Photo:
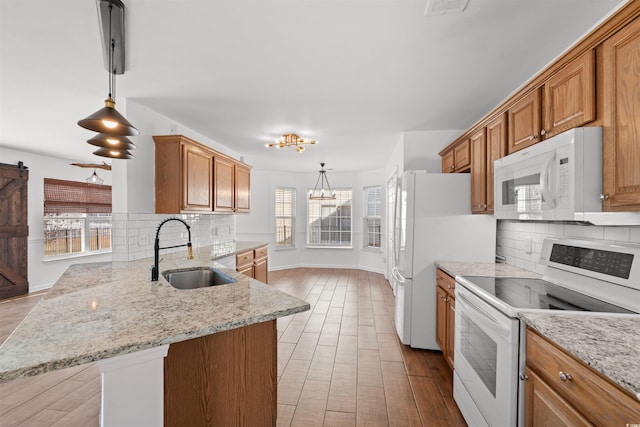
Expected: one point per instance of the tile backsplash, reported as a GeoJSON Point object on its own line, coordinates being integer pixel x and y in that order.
{"type": "Point", "coordinates": [134, 233]}
{"type": "Point", "coordinates": [521, 242]}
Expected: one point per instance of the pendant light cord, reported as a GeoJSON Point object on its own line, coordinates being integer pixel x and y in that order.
{"type": "Point", "coordinates": [111, 50]}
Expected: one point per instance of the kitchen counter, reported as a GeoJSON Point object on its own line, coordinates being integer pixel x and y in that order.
{"type": "Point", "coordinates": [607, 343]}
{"type": "Point", "coordinates": [235, 248]}
{"type": "Point", "coordinates": [488, 269]}
{"type": "Point", "coordinates": [97, 311]}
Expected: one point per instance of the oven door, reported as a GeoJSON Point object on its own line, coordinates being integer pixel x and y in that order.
{"type": "Point", "coordinates": [486, 362]}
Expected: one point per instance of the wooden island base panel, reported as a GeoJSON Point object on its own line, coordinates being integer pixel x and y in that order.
{"type": "Point", "coordinates": [224, 379]}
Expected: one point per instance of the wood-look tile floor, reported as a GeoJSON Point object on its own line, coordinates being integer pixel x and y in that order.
{"type": "Point", "coordinates": [339, 364]}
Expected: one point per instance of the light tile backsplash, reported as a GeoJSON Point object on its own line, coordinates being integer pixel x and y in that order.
{"type": "Point", "coordinates": [521, 242]}
{"type": "Point", "coordinates": [134, 233]}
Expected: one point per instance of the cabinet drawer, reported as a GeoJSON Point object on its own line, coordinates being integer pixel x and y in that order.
{"type": "Point", "coordinates": [244, 258]}
{"type": "Point", "coordinates": [447, 282]}
{"type": "Point", "coordinates": [260, 253]}
{"type": "Point", "coordinates": [599, 400]}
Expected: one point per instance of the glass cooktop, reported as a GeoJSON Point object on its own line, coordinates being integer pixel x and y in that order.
{"type": "Point", "coordinates": [522, 293]}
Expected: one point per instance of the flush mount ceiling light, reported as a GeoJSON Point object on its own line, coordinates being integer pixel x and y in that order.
{"type": "Point", "coordinates": [94, 179]}
{"type": "Point", "coordinates": [320, 193]}
{"type": "Point", "coordinates": [291, 140]}
{"type": "Point", "coordinates": [107, 120]}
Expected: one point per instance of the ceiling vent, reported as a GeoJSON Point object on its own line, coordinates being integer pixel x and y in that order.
{"type": "Point", "coordinates": [445, 7]}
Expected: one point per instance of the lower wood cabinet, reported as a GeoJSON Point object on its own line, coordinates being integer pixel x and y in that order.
{"type": "Point", "coordinates": [224, 379]}
{"type": "Point", "coordinates": [253, 263]}
{"type": "Point", "coordinates": [561, 390]}
{"type": "Point", "coordinates": [445, 314]}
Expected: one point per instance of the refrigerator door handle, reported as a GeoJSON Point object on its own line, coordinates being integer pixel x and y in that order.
{"type": "Point", "coordinates": [396, 275]}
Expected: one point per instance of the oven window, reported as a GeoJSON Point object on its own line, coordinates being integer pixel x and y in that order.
{"type": "Point", "coordinates": [524, 192]}
{"type": "Point", "coordinates": [480, 351]}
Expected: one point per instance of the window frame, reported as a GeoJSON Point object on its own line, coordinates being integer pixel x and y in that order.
{"type": "Point", "coordinates": [367, 218]}
{"type": "Point", "coordinates": [291, 218]}
{"type": "Point", "coordinates": [343, 202]}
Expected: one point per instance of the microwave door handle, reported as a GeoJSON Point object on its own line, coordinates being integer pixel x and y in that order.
{"type": "Point", "coordinates": [544, 183]}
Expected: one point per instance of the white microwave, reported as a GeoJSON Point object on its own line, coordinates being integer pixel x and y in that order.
{"type": "Point", "coordinates": [559, 179]}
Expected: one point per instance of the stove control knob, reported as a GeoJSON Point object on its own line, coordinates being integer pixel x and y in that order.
{"type": "Point", "coordinates": [565, 376]}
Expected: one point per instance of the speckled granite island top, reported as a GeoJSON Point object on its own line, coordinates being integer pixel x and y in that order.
{"type": "Point", "coordinates": [488, 269]}
{"type": "Point", "coordinates": [610, 345]}
{"type": "Point", "coordinates": [100, 310]}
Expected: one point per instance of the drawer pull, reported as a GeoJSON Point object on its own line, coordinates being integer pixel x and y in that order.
{"type": "Point", "coordinates": [565, 376]}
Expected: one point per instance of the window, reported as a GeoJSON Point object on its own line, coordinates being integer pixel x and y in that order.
{"type": "Point", "coordinates": [373, 217]}
{"type": "Point", "coordinates": [77, 217]}
{"type": "Point", "coordinates": [285, 217]}
{"type": "Point", "coordinates": [329, 221]}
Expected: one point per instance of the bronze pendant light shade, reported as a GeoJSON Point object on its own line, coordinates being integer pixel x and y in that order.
{"type": "Point", "coordinates": [113, 153]}
{"type": "Point", "coordinates": [112, 127]}
{"type": "Point", "coordinates": [114, 142]}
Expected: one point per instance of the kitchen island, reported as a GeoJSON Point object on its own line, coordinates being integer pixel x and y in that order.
{"type": "Point", "coordinates": [114, 313]}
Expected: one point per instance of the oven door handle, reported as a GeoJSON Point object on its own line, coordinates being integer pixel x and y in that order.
{"type": "Point", "coordinates": [480, 315]}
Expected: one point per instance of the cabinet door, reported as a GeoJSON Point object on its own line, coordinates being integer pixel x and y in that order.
{"type": "Point", "coordinates": [441, 318]}
{"type": "Point", "coordinates": [451, 330]}
{"type": "Point", "coordinates": [524, 122]}
{"type": "Point", "coordinates": [479, 172]}
{"type": "Point", "coordinates": [496, 148]}
{"type": "Point", "coordinates": [621, 162]}
{"type": "Point", "coordinates": [242, 188]}
{"type": "Point", "coordinates": [196, 183]}
{"type": "Point", "coordinates": [260, 270]}
{"type": "Point", "coordinates": [448, 162]}
{"type": "Point", "coordinates": [570, 96]}
{"type": "Point", "coordinates": [224, 174]}
{"type": "Point", "coordinates": [462, 155]}
{"type": "Point", "coordinates": [544, 407]}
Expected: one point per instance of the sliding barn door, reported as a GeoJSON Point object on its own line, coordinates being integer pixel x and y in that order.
{"type": "Point", "coordinates": [14, 230]}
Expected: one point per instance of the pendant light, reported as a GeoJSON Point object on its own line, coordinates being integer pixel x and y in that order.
{"type": "Point", "coordinates": [94, 179]}
{"type": "Point", "coordinates": [112, 141]}
{"type": "Point", "coordinates": [321, 193]}
{"type": "Point", "coordinates": [113, 153]}
{"type": "Point", "coordinates": [108, 120]}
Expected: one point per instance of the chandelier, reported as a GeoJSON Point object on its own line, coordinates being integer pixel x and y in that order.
{"type": "Point", "coordinates": [291, 140]}
{"type": "Point", "coordinates": [319, 192]}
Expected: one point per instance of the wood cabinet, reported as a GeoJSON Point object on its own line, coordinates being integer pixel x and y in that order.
{"type": "Point", "coordinates": [496, 149]}
{"type": "Point", "coordinates": [191, 177]}
{"type": "Point", "coordinates": [561, 390]}
{"type": "Point", "coordinates": [226, 379]}
{"type": "Point", "coordinates": [445, 314]}
{"type": "Point", "coordinates": [479, 172]}
{"type": "Point", "coordinates": [569, 97]}
{"type": "Point", "coordinates": [524, 122]}
{"type": "Point", "coordinates": [621, 127]}
{"type": "Point", "coordinates": [457, 158]}
{"type": "Point", "coordinates": [254, 263]}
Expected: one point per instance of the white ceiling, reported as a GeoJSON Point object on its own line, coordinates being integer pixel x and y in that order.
{"type": "Point", "coordinates": [353, 74]}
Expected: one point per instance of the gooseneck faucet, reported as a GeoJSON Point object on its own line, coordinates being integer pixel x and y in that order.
{"type": "Point", "coordinates": [156, 247]}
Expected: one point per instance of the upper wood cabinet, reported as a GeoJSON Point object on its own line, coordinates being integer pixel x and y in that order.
{"type": "Point", "coordinates": [524, 122]}
{"type": "Point", "coordinates": [479, 171]}
{"type": "Point", "coordinates": [621, 121]}
{"type": "Point", "coordinates": [457, 158]}
{"type": "Point", "coordinates": [191, 177]}
{"type": "Point", "coordinates": [496, 148]}
{"type": "Point", "coordinates": [570, 96]}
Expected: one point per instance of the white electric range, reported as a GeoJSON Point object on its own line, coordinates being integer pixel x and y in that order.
{"type": "Point", "coordinates": [584, 277]}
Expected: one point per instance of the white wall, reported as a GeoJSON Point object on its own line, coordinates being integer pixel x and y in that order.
{"type": "Point", "coordinates": [43, 274]}
{"type": "Point", "coordinates": [260, 223]}
{"type": "Point", "coordinates": [421, 149]}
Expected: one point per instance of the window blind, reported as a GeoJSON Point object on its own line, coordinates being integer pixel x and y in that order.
{"type": "Point", "coordinates": [62, 196]}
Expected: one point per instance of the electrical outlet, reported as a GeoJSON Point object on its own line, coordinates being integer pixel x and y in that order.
{"type": "Point", "coordinates": [143, 240]}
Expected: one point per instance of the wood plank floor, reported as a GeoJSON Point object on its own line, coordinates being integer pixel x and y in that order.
{"type": "Point", "coordinates": [339, 364]}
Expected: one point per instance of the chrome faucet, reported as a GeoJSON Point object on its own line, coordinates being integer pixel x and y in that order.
{"type": "Point", "coordinates": [156, 247]}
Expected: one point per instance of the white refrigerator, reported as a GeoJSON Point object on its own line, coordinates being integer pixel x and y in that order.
{"type": "Point", "coordinates": [433, 222]}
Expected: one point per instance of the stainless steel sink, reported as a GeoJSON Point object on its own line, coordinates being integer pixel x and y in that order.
{"type": "Point", "coordinates": [197, 278]}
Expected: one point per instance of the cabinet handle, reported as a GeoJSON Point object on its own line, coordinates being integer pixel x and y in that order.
{"type": "Point", "coordinates": [544, 132]}
{"type": "Point", "coordinates": [565, 376]}
{"type": "Point", "coordinates": [523, 376]}
{"type": "Point", "coordinates": [604, 196]}
{"type": "Point", "coordinates": [532, 137]}
{"type": "Point", "coordinates": [452, 167]}
{"type": "Point", "coordinates": [448, 286]}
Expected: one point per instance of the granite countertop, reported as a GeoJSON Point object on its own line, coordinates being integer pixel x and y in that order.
{"type": "Point", "coordinates": [488, 269]}
{"type": "Point", "coordinates": [607, 343]}
{"type": "Point", "coordinates": [100, 310]}
{"type": "Point", "coordinates": [235, 248]}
